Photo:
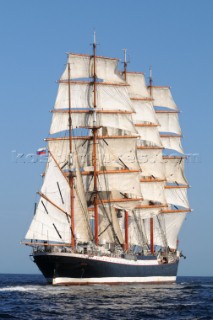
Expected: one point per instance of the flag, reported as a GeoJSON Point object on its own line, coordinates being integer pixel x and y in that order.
{"type": "Point", "coordinates": [41, 151]}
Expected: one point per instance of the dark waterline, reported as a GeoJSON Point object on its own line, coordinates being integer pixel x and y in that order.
{"type": "Point", "coordinates": [29, 297]}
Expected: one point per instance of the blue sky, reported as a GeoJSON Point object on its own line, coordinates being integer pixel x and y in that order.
{"type": "Point", "coordinates": [175, 37]}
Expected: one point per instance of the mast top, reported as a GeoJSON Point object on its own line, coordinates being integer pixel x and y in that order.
{"type": "Point", "coordinates": [150, 76]}
{"type": "Point", "coordinates": [150, 80]}
{"type": "Point", "coordinates": [125, 62]}
{"type": "Point", "coordinates": [94, 38]}
{"type": "Point", "coordinates": [94, 44]}
{"type": "Point", "coordinates": [125, 50]}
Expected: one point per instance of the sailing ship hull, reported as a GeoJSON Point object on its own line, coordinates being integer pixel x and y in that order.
{"type": "Point", "coordinates": [79, 269]}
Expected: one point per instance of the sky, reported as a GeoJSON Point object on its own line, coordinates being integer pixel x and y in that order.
{"type": "Point", "coordinates": [174, 37]}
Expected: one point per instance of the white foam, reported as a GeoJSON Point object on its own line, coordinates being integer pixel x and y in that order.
{"type": "Point", "coordinates": [18, 288]}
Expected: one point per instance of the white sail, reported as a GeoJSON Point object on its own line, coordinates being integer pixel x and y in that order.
{"type": "Point", "coordinates": [163, 98]}
{"type": "Point", "coordinates": [60, 121]}
{"type": "Point", "coordinates": [51, 223]}
{"type": "Point", "coordinates": [116, 227]}
{"type": "Point", "coordinates": [81, 216]}
{"type": "Point", "coordinates": [134, 231]}
{"type": "Point", "coordinates": [166, 229]}
{"type": "Point", "coordinates": [125, 182]}
{"type": "Point", "coordinates": [144, 112]}
{"type": "Point", "coordinates": [105, 226]}
{"type": "Point", "coordinates": [137, 88]}
{"type": "Point", "coordinates": [168, 122]}
{"type": "Point", "coordinates": [151, 162]}
{"type": "Point", "coordinates": [153, 190]}
{"type": "Point", "coordinates": [147, 212]}
{"type": "Point", "coordinates": [137, 233]}
{"type": "Point", "coordinates": [172, 142]}
{"type": "Point", "coordinates": [113, 98]}
{"type": "Point", "coordinates": [82, 96]}
{"type": "Point", "coordinates": [177, 196]}
{"type": "Point", "coordinates": [174, 170]}
{"type": "Point", "coordinates": [172, 223]}
{"type": "Point", "coordinates": [82, 66]}
{"type": "Point", "coordinates": [117, 153]}
{"type": "Point", "coordinates": [107, 69]}
{"type": "Point", "coordinates": [52, 219]}
{"type": "Point", "coordinates": [111, 152]}
{"type": "Point", "coordinates": [109, 228]}
{"type": "Point", "coordinates": [149, 135]}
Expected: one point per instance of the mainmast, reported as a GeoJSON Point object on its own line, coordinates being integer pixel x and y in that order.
{"type": "Point", "coordinates": [70, 164]}
{"type": "Point", "coordinates": [94, 131]}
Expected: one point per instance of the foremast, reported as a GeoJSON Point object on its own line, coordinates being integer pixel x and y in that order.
{"type": "Point", "coordinates": [95, 132]}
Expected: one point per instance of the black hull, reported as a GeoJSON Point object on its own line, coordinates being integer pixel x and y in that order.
{"type": "Point", "coordinates": [76, 269]}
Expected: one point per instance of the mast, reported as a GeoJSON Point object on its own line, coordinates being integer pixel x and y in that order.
{"type": "Point", "coordinates": [126, 243]}
{"type": "Point", "coordinates": [71, 177]}
{"type": "Point", "coordinates": [125, 64]}
{"type": "Point", "coordinates": [150, 81]}
{"type": "Point", "coordinates": [151, 222]}
{"type": "Point", "coordinates": [126, 216]}
{"type": "Point", "coordinates": [94, 131]}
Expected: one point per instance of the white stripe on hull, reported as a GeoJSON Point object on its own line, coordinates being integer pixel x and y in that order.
{"type": "Point", "coordinates": [104, 259]}
{"type": "Point", "coordinates": [112, 280]}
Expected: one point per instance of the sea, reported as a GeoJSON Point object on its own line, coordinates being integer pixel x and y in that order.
{"type": "Point", "coordinates": [30, 297]}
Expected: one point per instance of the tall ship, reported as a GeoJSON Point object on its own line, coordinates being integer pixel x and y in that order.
{"type": "Point", "coordinates": [114, 194]}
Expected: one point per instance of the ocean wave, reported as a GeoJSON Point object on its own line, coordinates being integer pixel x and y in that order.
{"type": "Point", "coordinates": [18, 288]}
